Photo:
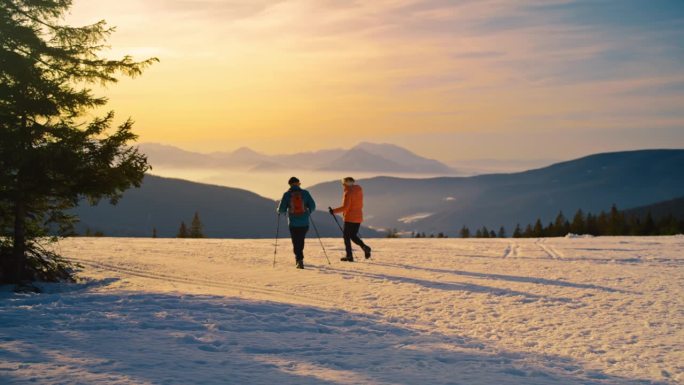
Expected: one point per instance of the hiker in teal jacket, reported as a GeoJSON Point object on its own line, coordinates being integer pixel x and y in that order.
{"type": "Point", "coordinates": [298, 204]}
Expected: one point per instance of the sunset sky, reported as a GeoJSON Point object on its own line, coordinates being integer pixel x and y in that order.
{"type": "Point", "coordinates": [516, 79]}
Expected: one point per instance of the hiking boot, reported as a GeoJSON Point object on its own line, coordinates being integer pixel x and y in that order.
{"type": "Point", "coordinates": [300, 264]}
{"type": "Point", "coordinates": [367, 252]}
{"type": "Point", "coordinates": [348, 258]}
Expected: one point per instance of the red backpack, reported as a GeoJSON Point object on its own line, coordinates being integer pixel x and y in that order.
{"type": "Point", "coordinates": [296, 206]}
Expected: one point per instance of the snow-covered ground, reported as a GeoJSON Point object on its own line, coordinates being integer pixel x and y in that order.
{"type": "Point", "coordinates": [425, 311]}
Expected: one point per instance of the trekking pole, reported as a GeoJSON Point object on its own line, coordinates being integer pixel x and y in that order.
{"type": "Point", "coordinates": [336, 221]}
{"type": "Point", "coordinates": [338, 225]}
{"type": "Point", "coordinates": [319, 237]}
{"type": "Point", "coordinates": [275, 251]}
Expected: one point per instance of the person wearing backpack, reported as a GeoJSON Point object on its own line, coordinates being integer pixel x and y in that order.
{"type": "Point", "coordinates": [298, 204]}
{"type": "Point", "coordinates": [352, 211]}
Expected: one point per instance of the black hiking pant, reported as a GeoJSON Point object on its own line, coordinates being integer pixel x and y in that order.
{"type": "Point", "coordinates": [351, 234]}
{"type": "Point", "coordinates": [298, 234]}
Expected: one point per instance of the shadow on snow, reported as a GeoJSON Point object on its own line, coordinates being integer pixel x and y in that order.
{"type": "Point", "coordinates": [505, 277]}
{"type": "Point", "coordinates": [164, 338]}
{"type": "Point", "coordinates": [447, 286]}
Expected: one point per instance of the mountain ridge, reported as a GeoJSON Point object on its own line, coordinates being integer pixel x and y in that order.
{"type": "Point", "coordinates": [659, 210]}
{"type": "Point", "coordinates": [370, 157]}
{"type": "Point", "coordinates": [162, 203]}
{"type": "Point", "coordinates": [592, 183]}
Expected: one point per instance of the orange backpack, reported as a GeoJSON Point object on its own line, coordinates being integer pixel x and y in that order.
{"type": "Point", "coordinates": [296, 206]}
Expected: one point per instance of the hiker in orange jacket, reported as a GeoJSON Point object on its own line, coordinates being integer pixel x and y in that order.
{"type": "Point", "coordinates": [352, 211]}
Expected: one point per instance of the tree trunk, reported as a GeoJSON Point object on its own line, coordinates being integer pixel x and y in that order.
{"type": "Point", "coordinates": [18, 263]}
{"type": "Point", "coordinates": [18, 273]}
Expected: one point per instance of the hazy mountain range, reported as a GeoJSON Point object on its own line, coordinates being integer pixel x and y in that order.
{"type": "Point", "coordinates": [162, 203]}
{"type": "Point", "coordinates": [367, 157]}
{"type": "Point", "coordinates": [593, 183]}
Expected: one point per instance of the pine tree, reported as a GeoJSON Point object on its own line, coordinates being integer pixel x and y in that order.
{"type": "Point", "coordinates": [465, 232]}
{"type": "Point", "coordinates": [50, 156]}
{"type": "Point", "coordinates": [578, 225]}
{"type": "Point", "coordinates": [560, 226]}
{"type": "Point", "coordinates": [154, 232]}
{"type": "Point", "coordinates": [529, 231]}
{"type": "Point", "coordinates": [182, 231]}
{"type": "Point", "coordinates": [502, 232]}
{"type": "Point", "coordinates": [517, 233]}
{"type": "Point", "coordinates": [592, 225]}
{"type": "Point", "coordinates": [478, 233]}
{"type": "Point", "coordinates": [196, 227]}
{"type": "Point", "coordinates": [538, 230]}
{"type": "Point", "coordinates": [649, 226]}
{"type": "Point", "coordinates": [616, 222]}
{"type": "Point", "coordinates": [603, 223]}
{"type": "Point", "coordinates": [633, 225]}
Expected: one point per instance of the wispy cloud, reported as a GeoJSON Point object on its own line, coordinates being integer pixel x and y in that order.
{"type": "Point", "coordinates": [344, 68]}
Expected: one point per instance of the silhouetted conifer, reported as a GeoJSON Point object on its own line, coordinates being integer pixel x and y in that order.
{"type": "Point", "coordinates": [182, 231]}
{"type": "Point", "coordinates": [502, 232]}
{"type": "Point", "coordinates": [196, 228]}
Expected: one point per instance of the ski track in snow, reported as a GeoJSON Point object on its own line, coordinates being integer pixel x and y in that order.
{"type": "Point", "coordinates": [239, 288]}
{"type": "Point", "coordinates": [513, 250]}
{"type": "Point", "coordinates": [551, 251]}
{"type": "Point", "coordinates": [448, 311]}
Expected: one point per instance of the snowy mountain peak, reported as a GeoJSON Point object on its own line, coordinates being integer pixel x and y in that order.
{"type": "Point", "coordinates": [242, 151]}
{"type": "Point", "coordinates": [365, 156]}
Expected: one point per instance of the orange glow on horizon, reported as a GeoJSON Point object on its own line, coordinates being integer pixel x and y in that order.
{"type": "Point", "coordinates": [278, 76]}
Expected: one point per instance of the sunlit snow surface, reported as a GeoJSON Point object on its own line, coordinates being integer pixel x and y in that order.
{"type": "Point", "coordinates": [426, 311]}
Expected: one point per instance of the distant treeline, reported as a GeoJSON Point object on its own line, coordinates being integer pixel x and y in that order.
{"type": "Point", "coordinates": [394, 233]}
{"type": "Point", "coordinates": [483, 232]}
{"type": "Point", "coordinates": [195, 231]}
{"type": "Point", "coordinates": [614, 222]}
